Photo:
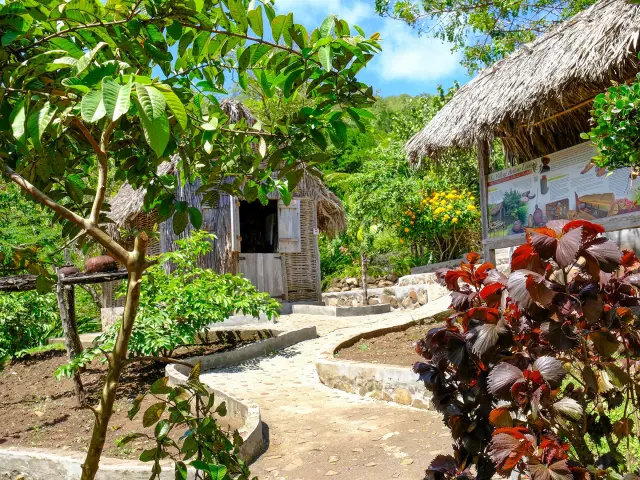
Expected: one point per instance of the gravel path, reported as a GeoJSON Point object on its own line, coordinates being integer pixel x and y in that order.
{"type": "Point", "coordinates": [316, 432]}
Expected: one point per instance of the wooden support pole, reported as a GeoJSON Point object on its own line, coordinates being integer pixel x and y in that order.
{"type": "Point", "coordinates": [66, 305]}
{"type": "Point", "coordinates": [483, 169]}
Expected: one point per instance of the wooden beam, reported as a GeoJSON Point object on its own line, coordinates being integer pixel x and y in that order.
{"type": "Point", "coordinates": [23, 283]}
{"type": "Point", "coordinates": [483, 169]}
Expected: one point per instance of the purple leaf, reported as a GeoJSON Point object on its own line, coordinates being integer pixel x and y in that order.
{"type": "Point", "coordinates": [568, 247]}
{"type": "Point", "coordinates": [528, 288]}
{"type": "Point", "coordinates": [544, 241]}
{"type": "Point", "coordinates": [569, 407]}
{"type": "Point", "coordinates": [462, 301]}
{"type": "Point", "coordinates": [551, 370]}
{"type": "Point", "coordinates": [502, 377]}
{"type": "Point", "coordinates": [556, 471]}
{"type": "Point", "coordinates": [443, 466]}
{"type": "Point", "coordinates": [506, 451]}
{"type": "Point", "coordinates": [486, 336]}
{"type": "Point", "coordinates": [495, 276]}
{"type": "Point", "coordinates": [604, 253]}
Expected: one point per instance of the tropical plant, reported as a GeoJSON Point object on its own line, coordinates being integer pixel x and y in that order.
{"type": "Point", "coordinates": [178, 304]}
{"type": "Point", "coordinates": [192, 411]}
{"type": "Point", "coordinates": [442, 220]}
{"type": "Point", "coordinates": [485, 31]}
{"type": "Point", "coordinates": [27, 319]}
{"type": "Point", "coordinates": [616, 124]}
{"type": "Point", "coordinates": [537, 373]}
{"type": "Point", "coordinates": [80, 97]}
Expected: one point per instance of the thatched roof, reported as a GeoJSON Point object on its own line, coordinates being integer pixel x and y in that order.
{"type": "Point", "coordinates": [129, 202]}
{"type": "Point", "coordinates": [332, 219]}
{"type": "Point", "coordinates": [537, 100]}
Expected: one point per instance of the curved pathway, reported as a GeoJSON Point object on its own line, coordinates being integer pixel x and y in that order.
{"type": "Point", "coordinates": [316, 432]}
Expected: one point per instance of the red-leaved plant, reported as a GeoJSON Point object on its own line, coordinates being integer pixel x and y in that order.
{"type": "Point", "coordinates": [530, 368]}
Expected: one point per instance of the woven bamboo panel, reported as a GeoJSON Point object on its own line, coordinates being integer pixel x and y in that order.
{"type": "Point", "coordinates": [303, 268]}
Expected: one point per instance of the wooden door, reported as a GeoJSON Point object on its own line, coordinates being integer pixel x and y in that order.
{"type": "Point", "coordinates": [265, 271]}
{"type": "Point", "coordinates": [289, 240]}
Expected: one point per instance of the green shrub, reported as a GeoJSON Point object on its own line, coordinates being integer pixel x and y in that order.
{"type": "Point", "coordinates": [27, 319]}
{"type": "Point", "coordinates": [176, 307]}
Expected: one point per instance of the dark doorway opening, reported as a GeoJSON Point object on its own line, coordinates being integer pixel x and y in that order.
{"type": "Point", "coordinates": [259, 227]}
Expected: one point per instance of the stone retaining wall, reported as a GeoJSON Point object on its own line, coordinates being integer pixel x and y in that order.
{"type": "Point", "coordinates": [411, 292]}
{"type": "Point", "coordinates": [380, 382]}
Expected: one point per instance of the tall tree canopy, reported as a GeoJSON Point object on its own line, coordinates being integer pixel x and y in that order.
{"type": "Point", "coordinates": [485, 31]}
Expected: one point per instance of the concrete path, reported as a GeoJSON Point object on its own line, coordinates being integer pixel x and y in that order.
{"type": "Point", "coordinates": [317, 432]}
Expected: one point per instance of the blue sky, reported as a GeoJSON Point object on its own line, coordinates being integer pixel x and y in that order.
{"type": "Point", "coordinates": [407, 64]}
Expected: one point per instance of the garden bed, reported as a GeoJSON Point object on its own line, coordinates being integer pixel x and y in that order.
{"type": "Point", "coordinates": [393, 348]}
{"type": "Point", "coordinates": [40, 411]}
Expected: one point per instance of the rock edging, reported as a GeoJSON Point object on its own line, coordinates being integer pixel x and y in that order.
{"type": "Point", "coordinates": [42, 464]}
{"type": "Point", "coordinates": [371, 380]}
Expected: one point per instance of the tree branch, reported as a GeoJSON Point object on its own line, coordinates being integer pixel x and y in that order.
{"type": "Point", "coordinates": [93, 230]}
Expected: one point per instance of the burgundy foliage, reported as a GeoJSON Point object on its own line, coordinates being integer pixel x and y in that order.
{"type": "Point", "coordinates": [527, 370]}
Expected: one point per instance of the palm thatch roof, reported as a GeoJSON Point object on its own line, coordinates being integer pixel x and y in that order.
{"type": "Point", "coordinates": [128, 203]}
{"type": "Point", "coordinates": [332, 219]}
{"type": "Point", "coordinates": [537, 100]}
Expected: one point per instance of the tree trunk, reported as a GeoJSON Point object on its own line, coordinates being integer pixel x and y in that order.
{"type": "Point", "coordinates": [95, 296]}
{"type": "Point", "coordinates": [66, 305]}
{"type": "Point", "coordinates": [117, 360]}
{"type": "Point", "coordinates": [363, 265]}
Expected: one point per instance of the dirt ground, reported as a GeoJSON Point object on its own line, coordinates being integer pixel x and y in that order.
{"type": "Point", "coordinates": [395, 348]}
{"type": "Point", "coordinates": [39, 411]}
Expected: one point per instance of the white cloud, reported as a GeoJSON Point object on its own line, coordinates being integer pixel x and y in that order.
{"type": "Point", "coordinates": [405, 56]}
{"type": "Point", "coordinates": [312, 12]}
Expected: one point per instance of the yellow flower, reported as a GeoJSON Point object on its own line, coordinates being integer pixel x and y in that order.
{"type": "Point", "coordinates": [458, 212]}
{"type": "Point", "coordinates": [411, 222]}
{"type": "Point", "coordinates": [438, 210]}
{"type": "Point", "coordinates": [446, 217]}
{"type": "Point", "coordinates": [454, 219]}
{"type": "Point", "coordinates": [471, 207]}
{"type": "Point", "coordinates": [449, 207]}
{"type": "Point", "coordinates": [401, 241]}
{"type": "Point", "coordinates": [472, 198]}
{"type": "Point", "coordinates": [443, 202]}
{"type": "Point", "coordinates": [413, 217]}
{"type": "Point", "coordinates": [406, 229]}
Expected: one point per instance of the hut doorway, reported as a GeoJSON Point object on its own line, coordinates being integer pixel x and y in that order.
{"type": "Point", "coordinates": [259, 227]}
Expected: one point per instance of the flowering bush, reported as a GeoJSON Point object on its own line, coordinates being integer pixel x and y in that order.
{"type": "Point", "coordinates": [441, 220]}
{"type": "Point", "coordinates": [537, 373]}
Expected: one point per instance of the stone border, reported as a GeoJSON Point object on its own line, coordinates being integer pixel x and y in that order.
{"type": "Point", "coordinates": [334, 311]}
{"type": "Point", "coordinates": [371, 380]}
{"type": "Point", "coordinates": [41, 464]}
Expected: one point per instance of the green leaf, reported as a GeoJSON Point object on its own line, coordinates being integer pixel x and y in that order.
{"type": "Point", "coordinates": [38, 122]}
{"type": "Point", "coordinates": [180, 220]}
{"type": "Point", "coordinates": [17, 120]}
{"type": "Point", "coordinates": [175, 105]}
{"type": "Point", "coordinates": [159, 387]}
{"type": "Point", "coordinates": [153, 414]}
{"type": "Point", "coordinates": [324, 55]}
{"type": "Point", "coordinates": [148, 455]}
{"type": "Point", "coordinates": [327, 25]}
{"type": "Point", "coordinates": [222, 409]}
{"type": "Point", "coordinates": [43, 284]}
{"type": "Point", "coordinates": [180, 471]}
{"type": "Point", "coordinates": [92, 107]}
{"type": "Point", "coordinates": [255, 20]}
{"type": "Point", "coordinates": [135, 407]}
{"type": "Point", "coordinates": [153, 116]}
{"type": "Point", "coordinates": [276, 27]}
{"type": "Point", "coordinates": [212, 124]}
{"type": "Point", "coordinates": [88, 57]}
{"type": "Point", "coordinates": [195, 216]}
{"type": "Point", "coordinates": [286, 30]}
{"type": "Point", "coordinates": [129, 438]}
{"type": "Point", "coordinates": [75, 186]}
{"type": "Point", "coordinates": [116, 98]}
{"type": "Point", "coordinates": [238, 13]}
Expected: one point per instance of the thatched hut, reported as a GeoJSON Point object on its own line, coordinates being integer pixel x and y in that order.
{"type": "Point", "coordinates": [275, 246]}
{"type": "Point", "coordinates": [537, 100]}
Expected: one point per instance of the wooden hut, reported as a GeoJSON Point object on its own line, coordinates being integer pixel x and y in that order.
{"type": "Point", "coordinates": [537, 101]}
{"type": "Point", "coordinates": [274, 245]}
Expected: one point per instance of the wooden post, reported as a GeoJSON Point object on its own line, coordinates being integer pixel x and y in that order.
{"type": "Point", "coordinates": [483, 169]}
{"type": "Point", "coordinates": [66, 305]}
{"type": "Point", "coordinates": [365, 293]}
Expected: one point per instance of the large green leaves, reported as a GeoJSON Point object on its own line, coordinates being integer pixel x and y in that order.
{"type": "Point", "coordinates": [38, 122]}
{"type": "Point", "coordinates": [17, 120]}
{"type": "Point", "coordinates": [153, 117]}
{"type": "Point", "coordinates": [116, 98]}
{"type": "Point", "coordinates": [92, 107]}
